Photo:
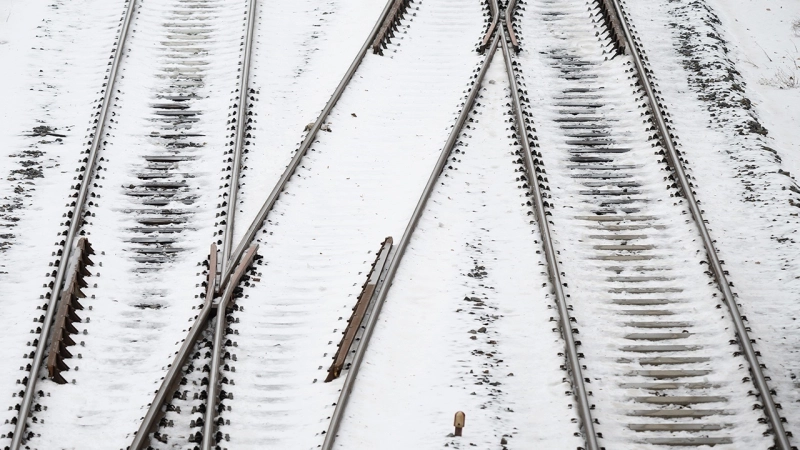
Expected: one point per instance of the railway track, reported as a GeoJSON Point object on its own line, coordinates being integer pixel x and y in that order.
{"type": "Point", "coordinates": [493, 41]}
{"type": "Point", "coordinates": [142, 228]}
{"type": "Point", "coordinates": [665, 359]}
{"type": "Point", "coordinates": [653, 276]}
{"type": "Point", "coordinates": [671, 379]}
{"type": "Point", "coordinates": [208, 384]}
{"type": "Point", "coordinates": [25, 406]}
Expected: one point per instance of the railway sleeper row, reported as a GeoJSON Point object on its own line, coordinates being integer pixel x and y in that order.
{"type": "Point", "coordinates": [679, 398]}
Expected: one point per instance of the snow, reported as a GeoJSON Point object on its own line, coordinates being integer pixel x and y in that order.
{"type": "Point", "coordinates": [322, 235]}
{"type": "Point", "coordinates": [710, 74]}
{"type": "Point", "coordinates": [466, 323]}
{"type": "Point", "coordinates": [666, 254]}
{"type": "Point", "coordinates": [766, 37]}
{"type": "Point", "coordinates": [723, 69]}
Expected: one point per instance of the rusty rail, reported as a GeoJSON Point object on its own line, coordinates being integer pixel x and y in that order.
{"type": "Point", "coordinates": [494, 10]}
{"type": "Point", "coordinates": [74, 222]}
{"type": "Point", "coordinates": [389, 25]}
{"type": "Point", "coordinates": [364, 300]}
{"type": "Point", "coordinates": [242, 125]}
{"type": "Point", "coordinates": [512, 35]}
{"type": "Point", "coordinates": [66, 315]}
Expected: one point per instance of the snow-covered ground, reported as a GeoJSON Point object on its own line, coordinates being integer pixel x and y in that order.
{"type": "Point", "coordinates": [727, 72]}
{"type": "Point", "coordinates": [357, 185]}
{"type": "Point", "coordinates": [466, 323]}
{"type": "Point", "coordinates": [719, 67]}
{"type": "Point", "coordinates": [37, 165]}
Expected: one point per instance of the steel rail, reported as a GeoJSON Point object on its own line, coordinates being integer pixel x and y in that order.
{"type": "Point", "coordinates": [216, 350]}
{"type": "Point", "coordinates": [74, 224]}
{"type": "Point", "coordinates": [396, 258]}
{"type": "Point", "coordinates": [173, 375]}
{"type": "Point", "coordinates": [579, 387]}
{"type": "Point", "coordinates": [360, 310]}
{"type": "Point", "coordinates": [154, 412]}
{"type": "Point", "coordinates": [295, 162]}
{"type": "Point", "coordinates": [494, 11]}
{"type": "Point", "coordinates": [781, 439]}
{"type": "Point", "coordinates": [512, 36]}
{"type": "Point", "coordinates": [168, 385]}
{"type": "Point", "coordinates": [241, 128]}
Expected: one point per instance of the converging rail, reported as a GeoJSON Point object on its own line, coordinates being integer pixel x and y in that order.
{"type": "Point", "coordinates": [494, 10]}
{"type": "Point", "coordinates": [304, 147]}
{"type": "Point", "coordinates": [242, 124]}
{"type": "Point", "coordinates": [75, 221]}
{"type": "Point", "coordinates": [396, 257]}
{"type": "Point", "coordinates": [588, 147]}
{"type": "Point", "coordinates": [397, 254]}
{"type": "Point", "coordinates": [225, 281]}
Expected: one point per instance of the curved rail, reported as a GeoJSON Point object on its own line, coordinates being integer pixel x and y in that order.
{"type": "Point", "coordinates": [397, 256]}
{"type": "Point", "coordinates": [74, 224]}
{"type": "Point", "coordinates": [494, 10]}
{"type": "Point", "coordinates": [295, 162]}
{"type": "Point", "coordinates": [174, 373]}
{"type": "Point", "coordinates": [219, 334]}
{"type": "Point", "coordinates": [512, 36]}
{"type": "Point", "coordinates": [154, 413]}
{"type": "Point", "coordinates": [781, 439]}
{"type": "Point", "coordinates": [581, 394]}
{"type": "Point", "coordinates": [241, 128]}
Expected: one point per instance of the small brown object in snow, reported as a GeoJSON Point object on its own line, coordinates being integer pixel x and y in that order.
{"type": "Point", "coordinates": [458, 422]}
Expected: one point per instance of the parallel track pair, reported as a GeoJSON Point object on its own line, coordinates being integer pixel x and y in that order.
{"type": "Point", "coordinates": [231, 258]}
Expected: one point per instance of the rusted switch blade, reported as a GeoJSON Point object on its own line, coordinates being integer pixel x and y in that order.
{"type": "Point", "coordinates": [359, 311]}
{"type": "Point", "coordinates": [389, 25]}
{"type": "Point", "coordinates": [65, 316]}
{"type": "Point", "coordinates": [237, 275]}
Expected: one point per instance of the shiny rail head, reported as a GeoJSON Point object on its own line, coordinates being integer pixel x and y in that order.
{"type": "Point", "coordinates": [571, 353]}
{"type": "Point", "coordinates": [215, 396]}
{"type": "Point", "coordinates": [666, 137]}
